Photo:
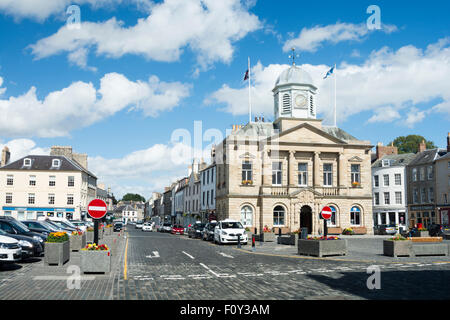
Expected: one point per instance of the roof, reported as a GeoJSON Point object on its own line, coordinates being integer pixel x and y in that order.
{"type": "Point", "coordinates": [446, 157]}
{"type": "Point", "coordinates": [294, 75]}
{"type": "Point", "coordinates": [256, 129]}
{"type": "Point", "coordinates": [398, 160]}
{"type": "Point", "coordinates": [45, 163]}
{"type": "Point", "coordinates": [339, 134]}
{"type": "Point", "coordinates": [428, 156]}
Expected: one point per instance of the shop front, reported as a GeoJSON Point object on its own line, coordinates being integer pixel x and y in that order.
{"type": "Point", "coordinates": [426, 215]}
{"type": "Point", "coordinates": [444, 215]}
{"type": "Point", "coordinates": [27, 213]}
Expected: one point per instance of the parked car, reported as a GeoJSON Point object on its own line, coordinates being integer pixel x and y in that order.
{"type": "Point", "coordinates": [13, 226]}
{"type": "Point", "coordinates": [139, 224]}
{"type": "Point", "coordinates": [196, 230]}
{"type": "Point", "coordinates": [227, 231]}
{"type": "Point", "coordinates": [80, 225]}
{"type": "Point", "coordinates": [30, 247]}
{"type": "Point", "coordinates": [118, 226]}
{"type": "Point", "coordinates": [55, 226]}
{"type": "Point", "coordinates": [38, 226]}
{"type": "Point", "coordinates": [147, 227]}
{"type": "Point", "coordinates": [167, 227]}
{"type": "Point", "coordinates": [177, 229]}
{"type": "Point", "coordinates": [208, 231]}
{"type": "Point", "coordinates": [387, 229]}
{"type": "Point", "coordinates": [10, 250]}
{"type": "Point", "coordinates": [439, 230]}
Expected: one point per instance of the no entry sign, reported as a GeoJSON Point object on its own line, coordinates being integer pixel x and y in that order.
{"type": "Point", "coordinates": [326, 213]}
{"type": "Point", "coordinates": [97, 208]}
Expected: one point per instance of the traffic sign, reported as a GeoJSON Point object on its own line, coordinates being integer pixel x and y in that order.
{"type": "Point", "coordinates": [97, 208]}
{"type": "Point", "coordinates": [326, 213]}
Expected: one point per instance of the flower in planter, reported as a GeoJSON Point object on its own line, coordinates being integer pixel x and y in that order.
{"type": "Point", "coordinates": [422, 229]}
{"type": "Point", "coordinates": [109, 226]}
{"type": "Point", "coordinates": [298, 231]}
{"type": "Point", "coordinates": [90, 229]}
{"type": "Point", "coordinates": [355, 184]}
{"type": "Point", "coordinates": [57, 237]}
{"type": "Point", "coordinates": [398, 238]}
{"type": "Point", "coordinates": [247, 229]}
{"type": "Point", "coordinates": [77, 233]}
{"type": "Point", "coordinates": [247, 182]}
{"type": "Point", "coordinates": [348, 231]}
{"type": "Point", "coordinates": [95, 247]}
{"type": "Point", "coordinates": [323, 238]}
{"type": "Point", "coordinates": [266, 229]}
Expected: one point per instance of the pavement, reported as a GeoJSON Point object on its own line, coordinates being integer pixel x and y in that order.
{"type": "Point", "coordinates": [161, 266]}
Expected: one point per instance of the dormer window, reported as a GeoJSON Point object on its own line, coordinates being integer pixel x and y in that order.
{"type": "Point", "coordinates": [56, 163]}
{"type": "Point", "coordinates": [386, 163]}
{"type": "Point", "coordinates": [27, 162]}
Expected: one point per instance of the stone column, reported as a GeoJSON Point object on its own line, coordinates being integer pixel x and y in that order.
{"type": "Point", "coordinates": [317, 164]}
{"type": "Point", "coordinates": [342, 171]}
{"type": "Point", "coordinates": [266, 169]}
{"type": "Point", "coordinates": [292, 170]}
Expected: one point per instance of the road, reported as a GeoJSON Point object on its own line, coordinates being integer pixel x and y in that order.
{"type": "Point", "coordinates": [165, 266]}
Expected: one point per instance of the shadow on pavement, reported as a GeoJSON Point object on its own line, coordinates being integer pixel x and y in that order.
{"type": "Point", "coordinates": [395, 285]}
{"type": "Point", "coordinates": [30, 260]}
{"type": "Point", "coordinates": [9, 266]}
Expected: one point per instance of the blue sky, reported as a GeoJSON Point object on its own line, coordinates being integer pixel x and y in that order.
{"type": "Point", "coordinates": [117, 90]}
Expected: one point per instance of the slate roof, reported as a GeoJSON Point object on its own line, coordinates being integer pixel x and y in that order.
{"type": "Point", "coordinates": [398, 160]}
{"type": "Point", "coordinates": [428, 156]}
{"type": "Point", "coordinates": [44, 163]}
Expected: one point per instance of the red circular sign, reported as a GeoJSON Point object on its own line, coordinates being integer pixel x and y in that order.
{"type": "Point", "coordinates": [326, 213]}
{"type": "Point", "coordinates": [97, 208]}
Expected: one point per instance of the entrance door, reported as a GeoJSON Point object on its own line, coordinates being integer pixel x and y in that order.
{"type": "Point", "coordinates": [306, 218]}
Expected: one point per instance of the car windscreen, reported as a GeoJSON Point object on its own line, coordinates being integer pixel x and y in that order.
{"type": "Point", "coordinates": [231, 225]}
{"type": "Point", "coordinates": [199, 226]}
{"type": "Point", "coordinates": [49, 226]}
{"type": "Point", "coordinates": [20, 226]}
{"type": "Point", "coordinates": [212, 226]}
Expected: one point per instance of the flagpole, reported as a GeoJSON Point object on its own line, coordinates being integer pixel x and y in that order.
{"type": "Point", "coordinates": [335, 125]}
{"type": "Point", "coordinates": [249, 93]}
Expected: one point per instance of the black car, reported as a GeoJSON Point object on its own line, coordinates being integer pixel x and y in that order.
{"type": "Point", "coordinates": [38, 226]}
{"type": "Point", "coordinates": [196, 230]}
{"type": "Point", "coordinates": [13, 226]}
{"type": "Point", "coordinates": [439, 230]}
{"type": "Point", "coordinates": [30, 247]}
{"type": "Point", "coordinates": [118, 226]}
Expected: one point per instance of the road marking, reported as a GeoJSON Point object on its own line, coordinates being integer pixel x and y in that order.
{"type": "Point", "coordinates": [125, 263]}
{"type": "Point", "coordinates": [62, 277]}
{"type": "Point", "coordinates": [172, 277]}
{"type": "Point", "coordinates": [218, 275]}
{"type": "Point", "coordinates": [188, 255]}
{"type": "Point", "coordinates": [225, 255]}
{"type": "Point", "coordinates": [155, 253]}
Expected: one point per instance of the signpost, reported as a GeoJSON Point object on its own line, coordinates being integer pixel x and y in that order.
{"type": "Point", "coordinates": [326, 215]}
{"type": "Point", "coordinates": [97, 210]}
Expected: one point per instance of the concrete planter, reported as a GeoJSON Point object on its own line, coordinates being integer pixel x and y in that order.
{"type": "Point", "coordinates": [421, 234]}
{"type": "Point", "coordinates": [268, 236]}
{"type": "Point", "coordinates": [321, 248]}
{"type": "Point", "coordinates": [90, 236]}
{"type": "Point", "coordinates": [93, 261]}
{"type": "Point", "coordinates": [430, 249]}
{"type": "Point", "coordinates": [77, 242]}
{"type": "Point", "coordinates": [56, 253]}
{"type": "Point", "coordinates": [397, 248]}
{"type": "Point", "coordinates": [288, 240]}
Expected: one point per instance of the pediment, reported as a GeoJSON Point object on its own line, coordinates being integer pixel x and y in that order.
{"type": "Point", "coordinates": [306, 133]}
{"type": "Point", "coordinates": [307, 192]}
{"type": "Point", "coordinates": [247, 155]}
{"type": "Point", "coordinates": [355, 159]}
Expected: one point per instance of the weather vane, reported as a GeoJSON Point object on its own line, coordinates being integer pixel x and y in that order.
{"type": "Point", "coordinates": [293, 56]}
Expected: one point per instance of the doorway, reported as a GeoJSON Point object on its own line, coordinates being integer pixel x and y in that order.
{"type": "Point", "coordinates": [306, 218]}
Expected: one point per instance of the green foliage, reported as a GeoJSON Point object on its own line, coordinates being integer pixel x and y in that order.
{"type": "Point", "coordinates": [410, 144]}
{"type": "Point", "coordinates": [133, 197]}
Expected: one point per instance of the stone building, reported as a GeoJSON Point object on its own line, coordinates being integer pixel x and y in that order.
{"type": "Point", "coordinates": [281, 174]}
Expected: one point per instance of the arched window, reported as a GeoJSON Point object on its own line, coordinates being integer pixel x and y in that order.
{"type": "Point", "coordinates": [247, 216]}
{"type": "Point", "coordinates": [332, 221]}
{"type": "Point", "coordinates": [355, 216]}
{"type": "Point", "coordinates": [278, 216]}
{"type": "Point", "coordinates": [286, 103]}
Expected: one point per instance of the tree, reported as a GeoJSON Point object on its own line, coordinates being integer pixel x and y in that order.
{"type": "Point", "coordinates": [410, 144]}
{"type": "Point", "coordinates": [133, 197]}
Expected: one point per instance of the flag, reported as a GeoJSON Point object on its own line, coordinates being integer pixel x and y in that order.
{"type": "Point", "coordinates": [246, 75]}
{"type": "Point", "coordinates": [329, 73]}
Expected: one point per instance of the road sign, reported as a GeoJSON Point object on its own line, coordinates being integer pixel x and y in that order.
{"type": "Point", "coordinates": [97, 208]}
{"type": "Point", "coordinates": [326, 213]}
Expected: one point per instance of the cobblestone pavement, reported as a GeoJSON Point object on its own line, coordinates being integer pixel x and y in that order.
{"type": "Point", "coordinates": [159, 266]}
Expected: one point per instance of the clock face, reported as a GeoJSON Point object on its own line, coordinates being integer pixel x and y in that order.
{"type": "Point", "coordinates": [300, 100]}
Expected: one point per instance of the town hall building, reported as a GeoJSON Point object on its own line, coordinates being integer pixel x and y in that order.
{"type": "Point", "coordinates": [281, 174]}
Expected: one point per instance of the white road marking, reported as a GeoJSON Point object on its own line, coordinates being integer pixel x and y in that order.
{"type": "Point", "coordinates": [218, 275]}
{"type": "Point", "coordinates": [155, 253]}
{"type": "Point", "coordinates": [62, 277]}
{"type": "Point", "coordinates": [225, 255]}
{"type": "Point", "coordinates": [188, 255]}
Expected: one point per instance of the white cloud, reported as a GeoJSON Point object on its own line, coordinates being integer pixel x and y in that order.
{"type": "Point", "coordinates": [414, 116]}
{"type": "Point", "coordinates": [384, 114]}
{"type": "Point", "coordinates": [311, 40]}
{"type": "Point", "coordinates": [207, 27]}
{"type": "Point", "coordinates": [388, 79]}
{"type": "Point", "coordinates": [22, 147]}
{"type": "Point", "coordinates": [40, 10]}
{"type": "Point", "coordinates": [2, 90]}
{"type": "Point", "coordinates": [80, 105]}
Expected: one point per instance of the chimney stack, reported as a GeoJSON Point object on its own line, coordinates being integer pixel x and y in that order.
{"type": "Point", "coordinates": [6, 155]}
{"type": "Point", "coordinates": [448, 142]}
{"type": "Point", "coordinates": [422, 146]}
{"type": "Point", "coordinates": [383, 151]}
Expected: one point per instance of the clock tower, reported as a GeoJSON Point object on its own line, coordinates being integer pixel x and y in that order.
{"type": "Point", "coordinates": [294, 94]}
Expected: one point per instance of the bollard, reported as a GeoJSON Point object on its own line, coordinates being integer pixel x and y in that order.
{"type": "Point", "coordinates": [253, 242]}
{"type": "Point", "coordinates": [239, 241]}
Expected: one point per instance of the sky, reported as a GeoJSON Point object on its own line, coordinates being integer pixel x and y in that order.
{"type": "Point", "coordinates": [141, 86]}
